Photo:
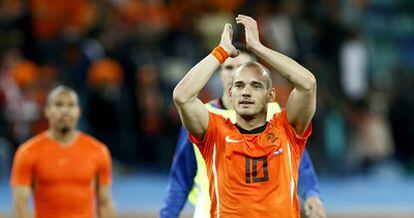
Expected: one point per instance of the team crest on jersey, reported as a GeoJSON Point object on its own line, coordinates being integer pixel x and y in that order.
{"type": "Point", "coordinates": [272, 136]}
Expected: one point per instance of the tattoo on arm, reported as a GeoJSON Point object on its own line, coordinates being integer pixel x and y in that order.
{"type": "Point", "coordinates": [288, 77]}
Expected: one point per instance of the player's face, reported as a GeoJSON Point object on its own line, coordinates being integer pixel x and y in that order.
{"type": "Point", "coordinates": [229, 66]}
{"type": "Point", "coordinates": [249, 94]}
{"type": "Point", "coordinates": [63, 111]}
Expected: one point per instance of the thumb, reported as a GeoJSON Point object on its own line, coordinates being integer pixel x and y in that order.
{"type": "Point", "coordinates": [234, 53]}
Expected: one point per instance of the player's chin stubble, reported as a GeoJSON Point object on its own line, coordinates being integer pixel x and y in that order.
{"type": "Point", "coordinates": [64, 130]}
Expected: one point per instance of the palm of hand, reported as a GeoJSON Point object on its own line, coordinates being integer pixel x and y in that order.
{"type": "Point", "coordinates": [226, 41]}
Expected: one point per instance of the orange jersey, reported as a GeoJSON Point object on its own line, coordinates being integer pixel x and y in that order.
{"type": "Point", "coordinates": [62, 177]}
{"type": "Point", "coordinates": [253, 175]}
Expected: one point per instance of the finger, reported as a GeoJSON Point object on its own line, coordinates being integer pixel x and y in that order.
{"type": "Point", "coordinates": [234, 52]}
{"type": "Point", "coordinates": [246, 23]}
{"type": "Point", "coordinates": [240, 20]}
{"type": "Point", "coordinates": [250, 21]}
{"type": "Point", "coordinates": [231, 32]}
{"type": "Point", "coordinates": [247, 17]}
{"type": "Point", "coordinates": [227, 27]}
{"type": "Point", "coordinates": [226, 31]}
{"type": "Point", "coordinates": [238, 52]}
{"type": "Point", "coordinates": [243, 16]}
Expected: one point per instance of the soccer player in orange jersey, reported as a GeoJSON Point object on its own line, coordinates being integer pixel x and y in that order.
{"type": "Point", "coordinates": [252, 165]}
{"type": "Point", "coordinates": [62, 167]}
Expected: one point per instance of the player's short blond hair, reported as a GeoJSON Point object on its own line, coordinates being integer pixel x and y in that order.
{"type": "Point", "coordinates": [260, 68]}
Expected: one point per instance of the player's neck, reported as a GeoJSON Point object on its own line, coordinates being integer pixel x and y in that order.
{"type": "Point", "coordinates": [251, 122]}
{"type": "Point", "coordinates": [62, 138]}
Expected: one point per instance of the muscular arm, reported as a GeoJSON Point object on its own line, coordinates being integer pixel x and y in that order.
{"type": "Point", "coordinates": [105, 204]}
{"type": "Point", "coordinates": [301, 104]}
{"type": "Point", "coordinates": [192, 112]}
{"type": "Point", "coordinates": [21, 196]}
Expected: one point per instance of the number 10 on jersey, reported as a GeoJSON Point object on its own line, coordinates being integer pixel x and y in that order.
{"type": "Point", "coordinates": [252, 169]}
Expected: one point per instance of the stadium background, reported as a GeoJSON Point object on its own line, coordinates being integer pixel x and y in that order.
{"type": "Point", "coordinates": [125, 56]}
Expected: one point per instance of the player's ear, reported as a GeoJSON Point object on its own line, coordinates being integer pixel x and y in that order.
{"type": "Point", "coordinates": [272, 95]}
{"type": "Point", "coordinates": [230, 94]}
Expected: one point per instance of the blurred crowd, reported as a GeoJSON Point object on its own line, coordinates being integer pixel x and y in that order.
{"type": "Point", "coordinates": [124, 57]}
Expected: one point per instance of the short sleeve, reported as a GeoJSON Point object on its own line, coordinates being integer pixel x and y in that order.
{"type": "Point", "coordinates": [22, 169]}
{"type": "Point", "coordinates": [206, 145]}
{"type": "Point", "coordinates": [300, 141]}
{"type": "Point", "coordinates": [104, 170]}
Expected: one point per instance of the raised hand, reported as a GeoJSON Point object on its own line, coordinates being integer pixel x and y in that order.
{"type": "Point", "coordinates": [250, 29]}
{"type": "Point", "coordinates": [226, 41]}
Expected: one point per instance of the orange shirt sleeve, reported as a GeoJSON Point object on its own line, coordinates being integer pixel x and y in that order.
{"type": "Point", "coordinates": [104, 167]}
{"type": "Point", "coordinates": [299, 141]}
{"type": "Point", "coordinates": [22, 169]}
{"type": "Point", "coordinates": [206, 145]}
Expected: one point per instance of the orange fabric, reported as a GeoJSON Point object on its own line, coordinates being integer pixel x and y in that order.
{"type": "Point", "coordinates": [105, 71]}
{"type": "Point", "coordinates": [254, 176]}
{"type": "Point", "coordinates": [63, 177]}
{"type": "Point", "coordinates": [220, 54]}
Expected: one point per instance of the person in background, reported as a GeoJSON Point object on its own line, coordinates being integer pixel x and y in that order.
{"type": "Point", "coordinates": [188, 178]}
{"type": "Point", "coordinates": [63, 167]}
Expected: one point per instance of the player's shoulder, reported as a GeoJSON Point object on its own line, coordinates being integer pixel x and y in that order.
{"type": "Point", "coordinates": [219, 118]}
{"type": "Point", "coordinates": [33, 143]}
{"type": "Point", "coordinates": [91, 142]}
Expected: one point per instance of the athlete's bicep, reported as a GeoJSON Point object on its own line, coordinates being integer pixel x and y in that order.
{"type": "Point", "coordinates": [300, 108]}
{"type": "Point", "coordinates": [194, 116]}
